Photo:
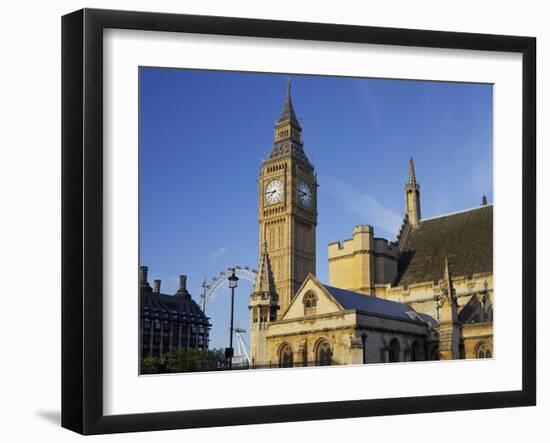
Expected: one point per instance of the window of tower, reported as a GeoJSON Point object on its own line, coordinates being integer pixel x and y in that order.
{"type": "Point", "coordinates": [283, 134]}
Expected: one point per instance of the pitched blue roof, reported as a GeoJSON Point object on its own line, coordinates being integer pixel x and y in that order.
{"type": "Point", "coordinates": [375, 305]}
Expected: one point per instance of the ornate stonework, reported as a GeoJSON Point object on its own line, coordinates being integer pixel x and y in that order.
{"type": "Point", "coordinates": [288, 221]}
{"type": "Point", "coordinates": [426, 296]}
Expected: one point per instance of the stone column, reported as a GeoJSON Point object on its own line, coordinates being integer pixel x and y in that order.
{"type": "Point", "coordinates": [355, 350]}
{"type": "Point", "coordinates": [301, 354]}
{"type": "Point", "coordinates": [449, 331]}
{"type": "Point", "coordinates": [449, 327]}
{"type": "Point", "coordinates": [384, 352]}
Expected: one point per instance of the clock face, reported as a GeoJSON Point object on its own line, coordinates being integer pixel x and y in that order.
{"type": "Point", "coordinates": [274, 191]}
{"type": "Point", "coordinates": [304, 194]}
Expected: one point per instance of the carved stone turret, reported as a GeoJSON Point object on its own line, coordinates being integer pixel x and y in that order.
{"type": "Point", "coordinates": [412, 196]}
{"type": "Point", "coordinates": [449, 326]}
{"type": "Point", "coordinates": [263, 309]}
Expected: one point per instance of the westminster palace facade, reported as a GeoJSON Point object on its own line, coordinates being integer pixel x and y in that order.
{"type": "Point", "coordinates": [427, 295]}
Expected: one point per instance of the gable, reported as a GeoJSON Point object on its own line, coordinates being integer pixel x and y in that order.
{"type": "Point", "coordinates": [325, 304]}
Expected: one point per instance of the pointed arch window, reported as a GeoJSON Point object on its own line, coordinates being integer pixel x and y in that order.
{"type": "Point", "coordinates": [394, 351]}
{"type": "Point", "coordinates": [310, 303]}
{"type": "Point", "coordinates": [483, 351]}
{"type": "Point", "coordinates": [286, 357]}
{"type": "Point", "coordinates": [324, 354]}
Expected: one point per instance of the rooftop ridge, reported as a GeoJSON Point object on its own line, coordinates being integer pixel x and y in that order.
{"type": "Point", "coordinates": [457, 212]}
{"type": "Point", "coordinates": [359, 294]}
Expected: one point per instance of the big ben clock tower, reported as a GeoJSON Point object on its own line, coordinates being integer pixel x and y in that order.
{"type": "Point", "coordinates": [287, 210]}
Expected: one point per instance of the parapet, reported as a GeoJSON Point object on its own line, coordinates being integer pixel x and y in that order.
{"type": "Point", "coordinates": [384, 247]}
{"type": "Point", "coordinates": [361, 241]}
{"type": "Point", "coordinates": [363, 229]}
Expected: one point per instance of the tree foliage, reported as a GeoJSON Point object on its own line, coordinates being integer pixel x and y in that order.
{"type": "Point", "coordinates": [184, 360]}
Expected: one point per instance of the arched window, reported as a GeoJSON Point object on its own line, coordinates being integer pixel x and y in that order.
{"type": "Point", "coordinates": [286, 357]}
{"type": "Point", "coordinates": [415, 351]}
{"type": "Point", "coordinates": [324, 354]}
{"type": "Point", "coordinates": [394, 350]}
{"type": "Point", "coordinates": [310, 303]}
{"type": "Point", "coordinates": [483, 351]}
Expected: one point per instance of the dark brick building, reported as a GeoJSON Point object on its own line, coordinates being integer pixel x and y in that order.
{"type": "Point", "coordinates": [169, 322]}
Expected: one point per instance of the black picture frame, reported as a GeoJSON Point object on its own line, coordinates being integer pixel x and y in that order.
{"type": "Point", "coordinates": [82, 215]}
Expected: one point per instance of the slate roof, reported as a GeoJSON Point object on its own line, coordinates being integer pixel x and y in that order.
{"type": "Point", "coordinates": [376, 306]}
{"type": "Point", "coordinates": [465, 238]}
{"type": "Point", "coordinates": [171, 304]}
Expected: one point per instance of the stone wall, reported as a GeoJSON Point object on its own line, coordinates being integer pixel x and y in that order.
{"type": "Point", "coordinates": [362, 262]}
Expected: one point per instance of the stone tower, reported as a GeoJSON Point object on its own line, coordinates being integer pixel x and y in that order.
{"type": "Point", "coordinates": [412, 196]}
{"type": "Point", "coordinates": [287, 207]}
{"type": "Point", "coordinates": [263, 309]}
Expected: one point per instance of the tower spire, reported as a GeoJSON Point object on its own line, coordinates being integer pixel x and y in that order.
{"type": "Point", "coordinates": [288, 132]}
{"type": "Point", "coordinates": [288, 87]}
{"type": "Point", "coordinates": [412, 196]}
{"type": "Point", "coordinates": [264, 280]}
{"type": "Point", "coordinates": [263, 305]}
{"type": "Point", "coordinates": [412, 175]}
{"type": "Point", "coordinates": [288, 115]}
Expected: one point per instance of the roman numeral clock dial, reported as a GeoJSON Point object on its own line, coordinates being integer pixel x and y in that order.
{"type": "Point", "coordinates": [304, 194]}
{"type": "Point", "coordinates": [274, 192]}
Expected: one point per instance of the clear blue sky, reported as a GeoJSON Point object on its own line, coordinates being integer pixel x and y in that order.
{"type": "Point", "coordinates": [203, 135]}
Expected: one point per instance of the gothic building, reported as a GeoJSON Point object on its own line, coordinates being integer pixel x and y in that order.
{"type": "Point", "coordinates": [426, 295]}
{"type": "Point", "coordinates": [169, 322]}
